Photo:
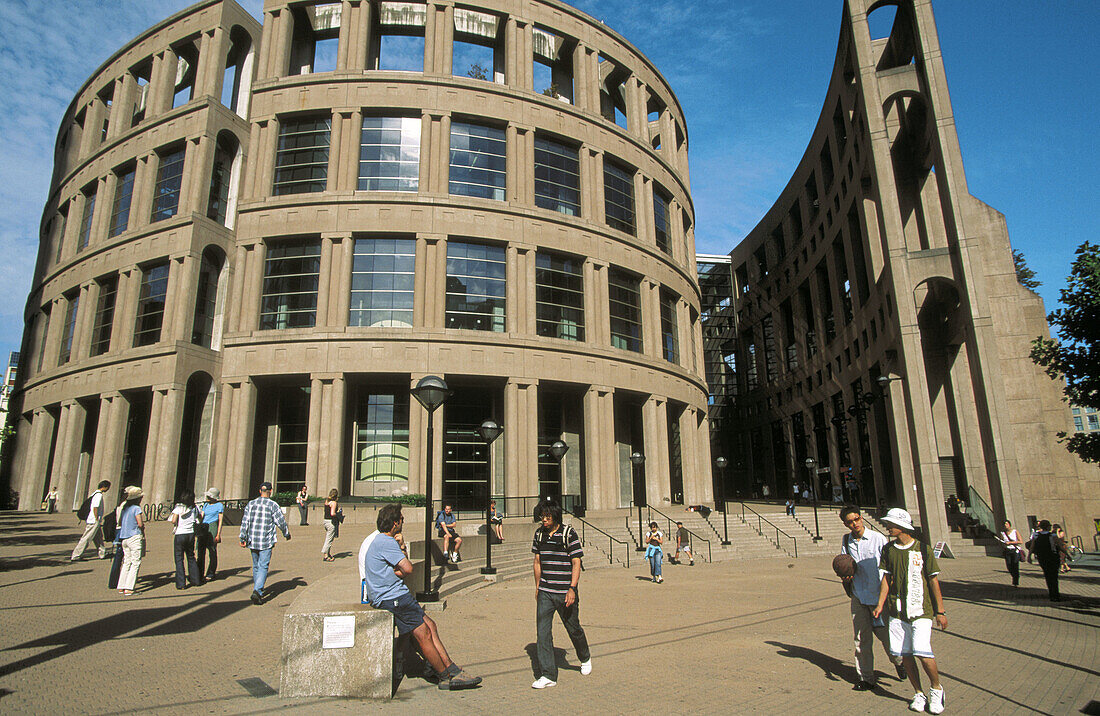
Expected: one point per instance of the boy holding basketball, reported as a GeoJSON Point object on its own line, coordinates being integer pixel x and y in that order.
{"type": "Point", "coordinates": [911, 587]}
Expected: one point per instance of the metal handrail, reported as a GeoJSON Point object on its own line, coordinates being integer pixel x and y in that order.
{"type": "Point", "coordinates": [760, 521]}
{"type": "Point", "coordinates": [980, 510]}
{"type": "Point", "coordinates": [610, 540]}
{"type": "Point", "coordinates": [515, 506]}
{"type": "Point", "coordinates": [690, 533]}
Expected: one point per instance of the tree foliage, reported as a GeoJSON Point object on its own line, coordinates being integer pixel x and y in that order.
{"type": "Point", "coordinates": [478, 72]}
{"type": "Point", "coordinates": [1024, 275]}
{"type": "Point", "coordinates": [1075, 355]}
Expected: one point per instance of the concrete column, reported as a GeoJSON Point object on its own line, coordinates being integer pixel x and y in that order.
{"type": "Point", "coordinates": [253, 287]}
{"type": "Point", "coordinates": [93, 127]}
{"type": "Point", "coordinates": [676, 234]}
{"type": "Point", "coordinates": [162, 85]}
{"type": "Point", "coordinates": [187, 268]}
{"type": "Point", "coordinates": [359, 31]}
{"type": "Point", "coordinates": [105, 197]}
{"type": "Point", "coordinates": [163, 447]}
{"type": "Point", "coordinates": [122, 109]}
{"type": "Point", "coordinates": [345, 34]}
{"type": "Point", "coordinates": [283, 36]}
{"type": "Point", "coordinates": [526, 168]}
{"type": "Point", "coordinates": [689, 457]}
{"type": "Point", "coordinates": [244, 422]}
{"type": "Point", "coordinates": [198, 166]}
{"type": "Point", "coordinates": [512, 290]}
{"type": "Point", "coordinates": [70, 427]}
{"type": "Point", "coordinates": [686, 347]}
{"type": "Point", "coordinates": [343, 254]}
{"type": "Point", "coordinates": [316, 400]}
{"type": "Point", "coordinates": [526, 56]}
{"type": "Point", "coordinates": [601, 455]}
{"type": "Point", "coordinates": [435, 277]}
{"type": "Point", "coordinates": [668, 138]}
{"type": "Point", "coordinates": [264, 157]}
{"type": "Point", "coordinates": [513, 181]}
{"type": "Point", "coordinates": [511, 53]}
{"type": "Point", "coordinates": [335, 155]}
{"type": "Point", "coordinates": [89, 297]}
{"type": "Point", "coordinates": [651, 318]}
{"type": "Point", "coordinates": [114, 412]}
{"type": "Point", "coordinates": [349, 171]}
{"type": "Point", "coordinates": [223, 408]}
{"type": "Point", "coordinates": [655, 429]}
{"type": "Point", "coordinates": [527, 318]}
{"type": "Point", "coordinates": [598, 215]}
{"type": "Point", "coordinates": [581, 79]}
{"type": "Point", "coordinates": [337, 433]}
{"type": "Point", "coordinates": [703, 454]}
{"type": "Point", "coordinates": [521, 437]}
{"type": "Point", "coordinates": [324, 283]}
{"type": "Point", "coordinates": [141, 201]}
{"type": "Point", "coordinates": [443, 154]}
{"type": "Point", "coordinates": [642, 221]}
{"type": "Point", "coordinates": [34, 468]}
{"type": "Point", "coordinates": [267, 45]}
{"type": "Point", "coordinates": [418, 425]}
{"type": "Point", "coordinates": [53, 335]}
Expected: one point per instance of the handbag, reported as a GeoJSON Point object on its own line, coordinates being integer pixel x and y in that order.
{"type": "Point", "coordinates": [116, 567]}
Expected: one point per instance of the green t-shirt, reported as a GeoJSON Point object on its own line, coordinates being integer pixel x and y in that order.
{"type": "Point", "coordinates": [911, 569]}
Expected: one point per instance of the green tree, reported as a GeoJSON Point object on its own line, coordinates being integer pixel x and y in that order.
{"type": "Point", "coordinates": [1075, 356]}
{"type": "Point", "coordinates": [1024, 275]}
{"type": "Point", "coordinates": [478, 72]}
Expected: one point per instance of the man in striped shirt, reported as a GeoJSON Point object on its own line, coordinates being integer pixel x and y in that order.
{"type": "Point", "coordinates": [557, 573]}
{"type": "Point", "coordinates": [261, 516]}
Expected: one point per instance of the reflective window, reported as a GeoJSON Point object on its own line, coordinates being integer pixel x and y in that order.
{"type": "Point", "coordinates": [669, 340]}
{"type": "Point", "coordinates": [86, 218]}
{"type": "Point", "coordinates": [218, 202]}
{"type": "Point", "coordinates": [625, 307]}
{"type": "Point", "coordinates": [166, 193]}
{"type": "Point", "coordinates": [291, 274]}
{"type": "Point", "coordinates": [301, 161]}
{"type": "Point", "coordinates": [104, 316]}
{"type": "Point", "coordinates": [660, 220]}
{"type": "Point", "coordinates": [559, 296]}
{"type": "Point", "coordinates": [69, 328]}
{"type": "Point", "coordinates": [477, 161]}
{"type": "Point", "coordinates": [382, 273]}
{"type": "Point", "coordinates": [382, 442]}
{"type": "Point", "coordinates": [557, 177]}
{"type": "Point", "coordinates": [206, 301]}
{"type": "Point", "coordinates": [618, 194]}
{"type": "Point", "coordinates": [120, 211]}
{"type": "Point", "coordinates": [389, 154]}
{"type": "Point", "coordinates": [475, 286]}
{"type": "Point", "coordinates": [292, 438]}
{"type": "Point", "coordinates": [150, 311]}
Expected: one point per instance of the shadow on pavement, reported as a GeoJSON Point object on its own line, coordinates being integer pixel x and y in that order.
{"type": "Point", "coordinates": [559, 659]}
{"type": "Point", "coordinates": [36, 539]}
{"type": "Point", "coordinates": [282, 587]}
{"type": "Point", "coordinates": [63, 573]}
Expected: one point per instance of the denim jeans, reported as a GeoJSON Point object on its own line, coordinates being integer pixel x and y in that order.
{"type": "Point", "coordinates": [184, 546]}
{"type": "Point", "coordinates": [545, 607]}
{"type": "Point", "coordinates": [655, 562]}
{"type": "Point", "coordinates": [205, 546]}
{"type": "Point", "coordinates": [261, 559]}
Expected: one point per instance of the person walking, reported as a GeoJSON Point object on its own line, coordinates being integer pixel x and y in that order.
{"type": "Point", "coordinates": [557, 566]}
{"type": "Point", "coordinates": [131, 539]}
{"type": "Point", "coordinates": [1064, 560]}
{"type": "Point", "coordinates": [865, 547]}
{"type": "Point", "coordinates": [183, 518]}
{"type": "Point", "coordinates": [93, 524]}
{"type": "Point", "coordinates": [332, 524]}
{"type": "Point", "coordinates": [683, 545]}
{"type": "Point", "coordinates": [1048, 550]}
{"type": "Point", "coordinates": [51, 500]}
{"type": "Point", "coordinates": [654, 553]}
{"type": "Point", "coordinates": [261, 517]}
{"type": "Point", "coordinates": [303, 506]}
{"type": "Point", "coordinates": [209, 534]}
{"type": "Point", "coordinates": [1013, 551]}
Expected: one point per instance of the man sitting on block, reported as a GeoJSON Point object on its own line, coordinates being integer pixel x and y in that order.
{"type": "Point", "coordinates": [384, 566]}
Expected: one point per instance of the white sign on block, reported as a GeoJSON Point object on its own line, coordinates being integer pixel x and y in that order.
{"type": "Point", "coordinates": [338, 632]}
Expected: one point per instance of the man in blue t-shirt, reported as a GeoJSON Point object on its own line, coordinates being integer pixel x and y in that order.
{"type": "Point", "coordinates": [446, 524]}
{"type": "Point", "coordinates": [384, 566]}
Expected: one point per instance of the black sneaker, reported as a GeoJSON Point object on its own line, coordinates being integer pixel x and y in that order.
{"type": "Point", "coordinates": [900, 668]}
{"type": "Point", "coordinates": [863, 686]}
{"type": "Point", "coordinates": [257, 598]}
{"type": "Point", "coordinates": [461, 680]}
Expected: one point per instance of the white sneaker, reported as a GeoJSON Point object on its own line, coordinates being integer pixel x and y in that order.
{"type": "Point", "coordinates": [586, 667]}
{"type": "Point", "coordinates": [542, 682]}
{"type": "Point", "coordinates": [919, 702]}
{"type": "Point", "coordinates": [937, 699]}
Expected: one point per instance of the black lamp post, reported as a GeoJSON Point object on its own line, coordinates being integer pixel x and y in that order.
{"type": "Point", "coordinates": [489, 431]}
{"type": "Point", "coordinates": [721, 462]}
{"type": "Point", "coordinates": [557, 451]}
{"type": "Point", "coordinates": [636, 461]}
{"type": "Point", "coordinates": [811, 463]}
{"type": "Point", "coordinates": [431, 392]}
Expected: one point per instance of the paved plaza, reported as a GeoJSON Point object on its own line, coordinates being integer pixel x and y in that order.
{"type": "Point", "coordinates": [753, 636]}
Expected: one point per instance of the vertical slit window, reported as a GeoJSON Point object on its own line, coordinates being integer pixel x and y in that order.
{"type": "Point", "coordinates": [86, 219]}
{"type": "Point", "coordinates": [660, 221]}
{"type": "Point", "coordinates": [618, 194]}
{"type": "Point", "coordinates": [382, 277]}
{"type": "Point", "coordinates": [476, 286]}
{"type": "Point", "coordinates": [72, 302]}
{"type": "Point", "coordinates": [669, 330]}
{"type": "Point", "coordinates": [150, 310]}
{"type": "Point", "coordinates": [104, 316]}
{"type": "Point", "coordinates": [389, 154]}
{"type": "Point", "coordinates": [557, 177]}
{"type": "Point", "coordinates": [120, 211]}
{"type": "Point", "coordinates": [291, 273]}
{"type": "Point", "coordinates": [477, 161]}
{"type": "Point", "coordinates": [559, 296]}
{"type": "Point", "coordinates": [43, 334]}
{"type": "Point", "coordinates": [62, 225]}
{"type": "Point", "coordinates": [217, 205]}
{"type": "Point", "coordinates": [625, 307]}
{"type": "Point", "coordinates": [301, 162]}
{"type": "Point", "coordinates": [206, 301]}
{"type": "Point", "coordinates": [166, 193]}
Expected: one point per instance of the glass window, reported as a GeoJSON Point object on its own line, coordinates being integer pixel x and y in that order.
{"type": "Point", "coordinates": [120, 212]}
{"type": "Point", "coordinates": [660, 220]}
{"type": "Point", "coordinates": [618, 194]}
{"type": "Point", "coordinates": [382, 440]}
{"type": "Point", "coordinates": [475, 286]}
{"type": "Point", "coordinates": [1078, 423]}
{"type": "Point", "coordinates": [301, 162]}
{"type": "Point", "coordinates": [206, 302]}
{"type": "Point", "coordinates": [292, 440]}
{"type": "Point", "coordinates": [86, 218]}
{"type": "Point", "coordinates": [477, 161]}
{"type": "Point", "coordinates": [389, 154]}
{"type": "Point", "coordinates": [104, 316]}
{"type": "Point", "coordinates": [290, 285]}
{"type": "Point", "coordinates": [166, 194]}
{"type": "Point", "coordinates": [382, 273]}
{"type": "Point", "coordinates": [217, 205]}
{"type": "Point", "coordinates": [150, 310]}
{"type": "Point", "coordinates": [69, 328]}
{"type": "Point", "coordinates": [557, 177]}
{"type": "Point", "coordinates": [625, 307]}
{"type": "Point", "coordinates": [669, 339]}
{"type": "Point", "coordinates": [1094, 421]}
{"type": "Point", "coordinates": [559, 296]}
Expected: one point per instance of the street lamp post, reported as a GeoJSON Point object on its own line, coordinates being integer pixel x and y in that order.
{"type": "Point", "coordinates": [721, 462]}
{"type": "Point", "coordinates": [431, 392]}
{"type": "Point", "coordinates": [489, 431]}
{"type": "Point", "coordinates": [811, 463]}
{"type": "Point", "coordinates": [636, 461]}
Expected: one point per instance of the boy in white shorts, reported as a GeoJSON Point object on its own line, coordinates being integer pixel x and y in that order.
{"type": "Point", "coordinates": [912, 590]}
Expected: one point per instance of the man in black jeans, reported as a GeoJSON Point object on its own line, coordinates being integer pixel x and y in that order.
{"type": "Point", "coordinates": [1047, 548]}
{"type": "Point", "coordinates": [558, 556]}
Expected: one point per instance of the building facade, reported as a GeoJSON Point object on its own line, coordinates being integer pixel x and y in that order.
{"type": "Point", "coordinates": [877, 323]}
{"type": "Point", "coordinates": [259, 237]}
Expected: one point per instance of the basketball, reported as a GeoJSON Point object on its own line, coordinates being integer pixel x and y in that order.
{"type": "Point", "coordinates": [844, 566]}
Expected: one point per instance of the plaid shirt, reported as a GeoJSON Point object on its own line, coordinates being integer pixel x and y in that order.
{"type": "Point", "coordinates": [261, 516]}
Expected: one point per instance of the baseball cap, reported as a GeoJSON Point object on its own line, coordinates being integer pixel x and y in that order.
{"type": "Point", "coordinates": [265, 485]}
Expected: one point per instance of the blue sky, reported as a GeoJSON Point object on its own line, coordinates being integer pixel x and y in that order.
{"type": "Point", "coordinates": [751, 76]}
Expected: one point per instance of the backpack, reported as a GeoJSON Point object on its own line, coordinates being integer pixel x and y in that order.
{"type": "Point", "coordinates": [85, 508]}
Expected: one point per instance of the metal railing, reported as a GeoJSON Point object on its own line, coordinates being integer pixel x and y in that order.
{"type": "Point", "coordinates": [669, 521]}
{"type": "Point", "coordinates": [760, 522]}
{"type": "Point", "coordinates": [980, 510]}
{"type": "Point", "coordinates": [611, 541]}
{"type": "Point", "coordinates": [517, 506]}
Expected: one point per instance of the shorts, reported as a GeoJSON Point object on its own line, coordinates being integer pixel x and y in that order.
{"type": "Point", "coordinates": [911, 639]}
{"type": "Point", "coordinates": [407, 613]}
{"type": "Point", "coordinates": [684, 548]}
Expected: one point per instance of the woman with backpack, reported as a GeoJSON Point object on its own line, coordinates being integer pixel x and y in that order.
{"type": "Point", "coordinates": [183, 519]}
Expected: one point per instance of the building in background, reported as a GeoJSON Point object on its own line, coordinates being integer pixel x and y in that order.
{"type": "Point", "coordinates": [1085, 420]}
{"type": "Point", "coordinates": [10, 374]}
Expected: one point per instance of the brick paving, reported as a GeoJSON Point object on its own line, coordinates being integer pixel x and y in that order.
{"type": "Point", "coordinates": [752, 636]}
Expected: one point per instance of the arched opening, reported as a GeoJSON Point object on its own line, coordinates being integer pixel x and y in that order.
{"type": "Point", "coordinates": [193, 468]}
{"type": "Point", "coordinates": [225, 179]}
{"type": "Point", "coordinates": [893, 34]}
{"type": "Point", "coordinates": [237, 78]}
{"type": "Point", "coordinates": [206, 329]}
{"type": "Point", "coordinates": [880, 19]}
{"type": "Point", "coordinates": [915, 152]}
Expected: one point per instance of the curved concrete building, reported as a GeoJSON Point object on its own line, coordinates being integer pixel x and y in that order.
{"type": "Point", "coordinates": [259, 237]}
{"type": "Point", "coordinates": [876, 263]}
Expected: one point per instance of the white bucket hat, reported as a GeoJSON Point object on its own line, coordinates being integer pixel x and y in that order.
{"type": "Point", "coordinates": [213, 493]}
{"type": "Point", "coordinates": [899, 518]}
